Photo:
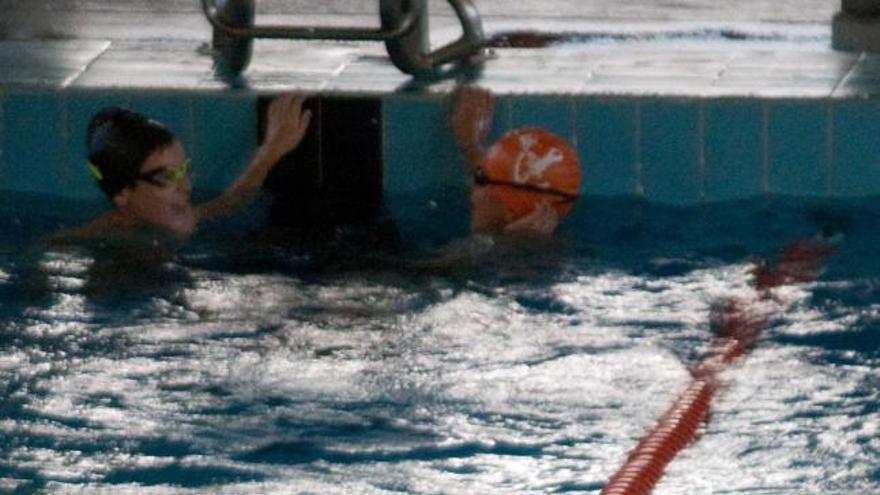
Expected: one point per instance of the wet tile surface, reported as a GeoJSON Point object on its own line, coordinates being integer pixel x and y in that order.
{"type": "Point", "coordinates": [636, 68]}
{"type": "Point", "coordinates": [51, 64]}
{"type": "Point", "coordinates": [147, 65]}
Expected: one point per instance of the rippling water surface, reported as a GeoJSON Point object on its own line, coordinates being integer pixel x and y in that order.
{"type": "Point", "coordinates": [485, 366]}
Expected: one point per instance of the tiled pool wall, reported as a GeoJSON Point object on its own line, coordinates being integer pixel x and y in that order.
{"type": "Point", "coordinates": [670, 150]}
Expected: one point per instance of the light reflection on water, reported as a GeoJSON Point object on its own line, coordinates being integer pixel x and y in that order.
{"type": "Point", "coordinates": [483, 379]}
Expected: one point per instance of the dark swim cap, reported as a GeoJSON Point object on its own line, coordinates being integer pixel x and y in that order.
{"type": "Point", "coordinates": [118, 142]}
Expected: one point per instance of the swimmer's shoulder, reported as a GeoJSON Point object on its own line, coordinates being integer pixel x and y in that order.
{"type": "Point", "coordinates": [107, 225]}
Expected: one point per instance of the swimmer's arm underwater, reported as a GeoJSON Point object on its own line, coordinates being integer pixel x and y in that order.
{"type": "Point", "coordinates": [286, 125]}
{"type": "Point", "coordinates": [108, 222]}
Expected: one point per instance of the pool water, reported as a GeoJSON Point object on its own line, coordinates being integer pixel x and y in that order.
{"type": "Point", "coordinates": [244, 364]}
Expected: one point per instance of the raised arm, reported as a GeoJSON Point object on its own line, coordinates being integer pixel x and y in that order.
{"type": "Point", "coordinates": [471, 121]}
{"type": "Point", "coordinates": [286, 125]}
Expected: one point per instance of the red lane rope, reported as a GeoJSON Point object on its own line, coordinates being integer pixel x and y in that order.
{"type": "Point", "coordinates": [737, 325]}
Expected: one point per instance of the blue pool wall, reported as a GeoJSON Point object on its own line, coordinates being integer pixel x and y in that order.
{"type": "Point", "coordinates": [667, 150]}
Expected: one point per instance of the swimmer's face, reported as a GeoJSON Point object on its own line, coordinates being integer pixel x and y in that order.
{"type": "Point", "coordinates": [488, 213]}
{"type": "Point", "coordinates": [162, 196]}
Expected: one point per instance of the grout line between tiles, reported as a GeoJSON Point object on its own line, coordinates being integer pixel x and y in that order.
{"type": "Point", "coordinates": [2, 139]}
{"type": "Point", "coordinates": [637, 117]}
{"type": "Point", "coordinates": [830, 176]}
{"type": "Point", "coordinates": [72, 79]}
{"type": "Point", "coordinates": [765, 154]}
{"type": "Point", "coordinates": [701, 150]}
{"type": "Point", "coordinates": [64, 136]}
{"type": "Point", "coordinates": [852, 68]}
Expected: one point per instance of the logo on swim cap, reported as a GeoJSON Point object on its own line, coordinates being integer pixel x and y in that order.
{"type": "Point", "coordinates": [543, 164]}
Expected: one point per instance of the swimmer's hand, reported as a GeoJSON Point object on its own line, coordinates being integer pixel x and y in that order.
{"type": "Point", "coordinates": [471, 121]}
{"type": "Point", "coordinates": [542, 221]}
{"type": "Point", "coordinates": [286, 125]}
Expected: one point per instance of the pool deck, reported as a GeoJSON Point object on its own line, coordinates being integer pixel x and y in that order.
{"type": "Point", "coordinates": [757, 49]}
{"type": "Point", "coordinates": [695, 64]}
{"type": "Point", "coordinates": [637, 59]}
{"type": "Point", "coordinates": [671, 105]}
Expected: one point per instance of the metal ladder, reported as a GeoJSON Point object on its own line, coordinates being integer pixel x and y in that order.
{"type": "Point", "coordinates": [404, 29]}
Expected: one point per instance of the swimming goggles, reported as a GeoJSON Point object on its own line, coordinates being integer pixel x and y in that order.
{"type": "Point", "coordinates": [481, 179]}
{"type": "Point", "coordinates": [167, 176]}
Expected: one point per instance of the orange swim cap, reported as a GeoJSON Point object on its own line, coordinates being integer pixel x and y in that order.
{"type": "Point", "coordinates": [528, 166]}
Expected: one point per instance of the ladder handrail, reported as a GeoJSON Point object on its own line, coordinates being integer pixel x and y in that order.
{"type": "Point", "coordinates": [403, 29]}
{"type": "Point", "coordinates": [407, 23]}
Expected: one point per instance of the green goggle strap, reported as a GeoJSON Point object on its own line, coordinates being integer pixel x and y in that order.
{"type": "Point", "coordinates": [95, 171]}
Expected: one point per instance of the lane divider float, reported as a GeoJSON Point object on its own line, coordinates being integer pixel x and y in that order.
{"type": "Point", "coordinates": [737, 324]}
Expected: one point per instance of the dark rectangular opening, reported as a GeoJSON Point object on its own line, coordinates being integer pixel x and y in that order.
{"type": "Point", "coordinates": [334, 177]}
